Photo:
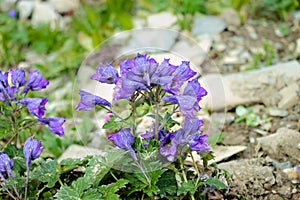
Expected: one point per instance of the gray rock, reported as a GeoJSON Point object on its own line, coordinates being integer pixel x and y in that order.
{"type": "Point", "coordinates": [75, 151]}
{"type": "Point", "coordinates": [251, 32]}
{"type": "Point", "coordinates": [161, 20]}
{"type": "Point", "coordinates": [25, 8]}
{"type": "Point", "coordinates": [231, 17]}
{"type": "Point", "coordinates": [211, 25]}
{"type": "Point", "coordinates": [138, 23]}
{"type": "Point", "coordinates": [298, 46]}
{"type": "Point", "coordinates": [220, 47]}
{"type": "Point", "coordinates": [253, 86]}
{"type": "Point", "coordinates": [43, 12]}
{"type": "Point", "coordinates": [275, 112]}
{"type": "Point", "coordinates": [65, 5]}
{"type": "Point", "coordinates": [150, 39]}
{"type": "Point", "coordinates": [282, 145]}
{"type": "Point", "coordinates": [5, 5]}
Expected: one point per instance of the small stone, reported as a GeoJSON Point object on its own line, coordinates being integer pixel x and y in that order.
{"type": "Point", "coordinates": [161, 20]}
{"type": "Point", "coordinates": [44, 13]}
{"type": "Point", "coordinates": [211, 25]}
{"type": "Point", "coordinates": [292, 173]}
{"type": "Point", "coordinates": [205, 42]}
{"type": "Point", "coordinates": [251, 32]}
{"type": "Point", "coordinates": [231, 60]}
{"type": "Point", "coordinates": [231, 17]}
{"type": "Point", "coordinates": [139, 23]}
{"type": "Point", "coordinates": [275, 112]}
{"type": "Point", "coordinates": [65, 6]}
{"type": "Point", "coordinates": [289, 96]}
{"type": "Point", "coordinates": [220, 47]}
{"type": "Point", "coordinates": [298, 146]}
{"type": "Point", "coordinates": [25, 8]}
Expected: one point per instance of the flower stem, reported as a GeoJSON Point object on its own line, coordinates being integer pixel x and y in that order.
{"type": "Point", "coordinates": [9, 193]}
{"type": "Point", "coordinates": [15, 189]}
{"type": "Point", "coordinates": [143, 171]}
{"type": "Point", "coordinates": [196, 167]}
{"type": "Point", "coordinates": [184, 177]}
{"type": "Point", "coordinates": [26, 182]}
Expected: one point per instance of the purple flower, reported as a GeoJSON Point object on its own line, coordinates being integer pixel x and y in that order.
{"type": "Point", "coordinates": [36, 106]}
{"type": "Point", "coordinates": [4, 83]}
{"type": "Point", "coordinates": [35, 82]}
{"type": "Point", "coordinates": [199, 143]}
{"type": "Point", "coordinates": [168, 147]}
{"type": "Point", "coordinates": [88, 101]}
{"type": "Point", "coordinates": [181, 74]}
{"type": "Point", "coordinates": [125, 88]}
{"type": "Point", "coordinates": [191, 126]}
{"type": "Point", "coordinates": [105, 74]}
{"type": "Point", "coordinates": [189, 101]}
{"type": "Point", "coordinates": [298, 170]}
{"type": "Point", "coordinates": [18, 77]}
{"type": "Point", "coordinates": [163, 73]}
{"type": "Point", "coordinates": [32, 150]}
{"type": "Point", "coordinates": [151, 134]}
{"type": "Point", "coordinates": [124, 140]}
{"type": "Point", "coordinates": [12, 13]}
{"type": "Point", "coordinates": [54, 124]}
{"type": "Point", "coordinates": [6, 165]}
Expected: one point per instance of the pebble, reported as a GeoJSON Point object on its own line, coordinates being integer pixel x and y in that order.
{"type": "Point", "coordinates": [251, 32]}
{"type": "Point", "coordinates": [44, 13]}
{"type": "Point", "coordinates": [211, 25]}
{"type": "Point", "coordinates": [65, 6]}
{"type": "Point", "coordinates": [275, 112]}
{"type": "Point", "coordinates": [289, 96]}
{"type": "Point", "coordinates": [161, 20]}
{"type": "Point", "coordinates": [298, 46]}
{"type": "Point", "coordinates": [25, 8]}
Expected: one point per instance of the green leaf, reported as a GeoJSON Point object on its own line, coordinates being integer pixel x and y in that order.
{"type": "Point", "coordinates": [215, 138]}
{"type": "Point", "coordinates": [92, 194]}
{"type": "Point", "coordinates": [215, 182]}
{"type": "Point", "coordinates": [112, 124]}
{"type": "Point", "coordinates": [167, 184]}
{"type": "Point", "coordinates": [47, 173]}
{"type": "Point", "coordinates": [206, 157]}
{"type": "Point", "coordinates": [109, 191]}
{"type": "Point", "coordinates": [187, 187]}
{"type": "Point", "coordinates": [241, 110]}
{"type": "Point", "coordinates": [96, 170]}
{"type": "Point", "coordinates": [81, 184]}
{"type": "Point", "coordinates": [67, 193]}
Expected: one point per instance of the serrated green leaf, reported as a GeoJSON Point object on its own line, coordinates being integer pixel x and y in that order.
{"type": "Point", "coordinates": [80, 185]}
{"type": "Point", "coordinates": [67, 193]}
{"type": "Point", "coordinates": [96, 170]}
{"type": "Point", "coordinates": [167, 184]}
{"type": "Point", "coordinates": [187, 187]}
{"type": "Point", "coordinates": [92, 194]}
{"type": "Point", "coordinates": [112, 124]}
{"type": "Point", "coordinates": [47, 173]}
{"type": "Point", "coordinates": [109, 191]}
{"type": "Point", "coordinates": [215, 182]}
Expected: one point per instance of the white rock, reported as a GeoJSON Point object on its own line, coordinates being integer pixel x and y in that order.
{"type": "Point", "coordinates": [150, 39]}
{"type": "Point", "coordinates": [220, 47]}
{"type": "Point", "coordinates": [249, 87]}
{"type": "Point", "coordinates": [251, 32]}
{"type": "Point", "coordinates": [5, 5]}
{"type": "Point", "coordinates": [275, 112]}
{"type": "Point", "coordinates": [138, 23]}
{"type": "Point", "coordinates": [25, 8]}
{"type": "Point", "coordinates": [289, 96]}
{"type": "Point", "coordinates": [211, 25]}
{"type": "Point", "coordinates": [44, 13]}
{"type": "Point", "coordinates": [64, 6]}
{"type": "Point", "coordinates": [161, 20]}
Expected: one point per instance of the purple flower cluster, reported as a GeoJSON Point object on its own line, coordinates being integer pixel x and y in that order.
{"type": "Point", "coordinates": [144, 75]}
{"type": "Point", "coordinates": [6, 166]}
{"type": "Point", "coordinates": [15, 91]}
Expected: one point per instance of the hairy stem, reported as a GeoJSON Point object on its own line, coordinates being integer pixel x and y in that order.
{"type": "Point", "coordinates": [26, 181]}
{"type": "Point", "coordinates": [9, 193]}
{"type": "Point", "coordinates": [184, 177]}
{"type": "Point", "coordinates": [143, 171]}
{"type": "Point", "coordinates": [196, 168]}
{"type": "Point", "coordinates": [15, 189]}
